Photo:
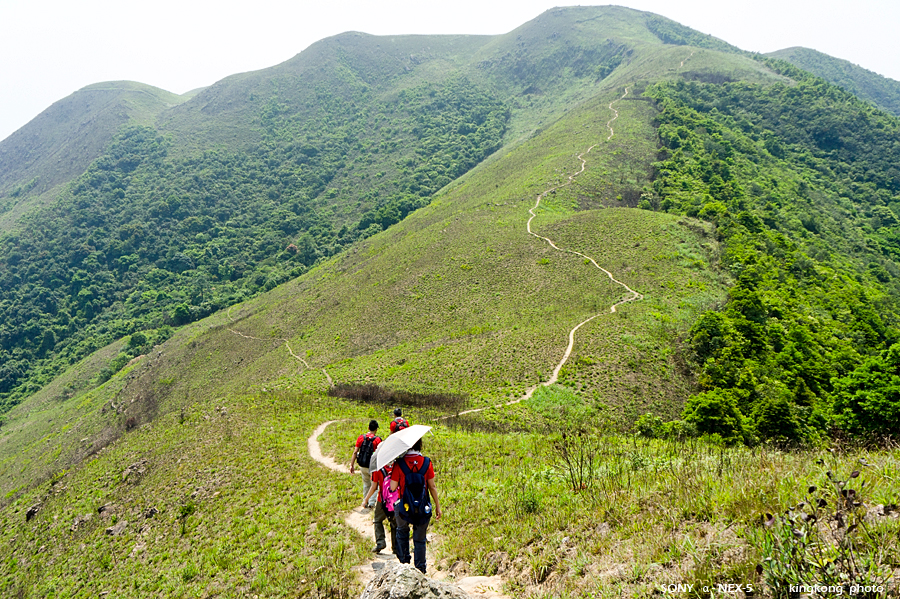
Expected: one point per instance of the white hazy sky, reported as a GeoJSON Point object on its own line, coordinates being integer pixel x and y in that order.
{"type": "Point", "coordinates": [51, 48]}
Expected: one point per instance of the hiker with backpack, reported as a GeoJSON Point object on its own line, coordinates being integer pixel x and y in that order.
{"type": "Point", "coordinates": [384, 507]}
{"type": "Point", "coordinates": [399, 422]}
{"type": "Point", "coordinates": [362, 455]}
{"type": "Point", "coordinates": [413, 478]}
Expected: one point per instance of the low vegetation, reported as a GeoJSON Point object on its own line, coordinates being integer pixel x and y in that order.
{"type": "Point", "coordinates": [220, 499]}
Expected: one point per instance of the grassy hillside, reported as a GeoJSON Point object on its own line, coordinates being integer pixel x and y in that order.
{"type": "Point", "coordinates": [221, 500]}
{"type": "Point", "coordinates": [872, 87]}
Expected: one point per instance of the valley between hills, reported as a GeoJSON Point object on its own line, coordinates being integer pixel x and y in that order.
{"type": "Point", "coordinates": [642, 285]}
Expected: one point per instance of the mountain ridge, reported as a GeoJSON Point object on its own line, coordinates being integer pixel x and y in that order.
{"type": "Point", "coordinates": [104, 106]}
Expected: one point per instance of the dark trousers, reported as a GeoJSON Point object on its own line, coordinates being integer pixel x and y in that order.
{"type": "Point", "coordinates": [419, 532]}
{"type": "Point", "coordinates": [378, 518]}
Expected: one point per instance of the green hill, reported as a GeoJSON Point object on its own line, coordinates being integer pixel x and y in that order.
{"type": "Point", "coordinates": [879, 90]}
{"type": "Point", "coordinates": [60, 143]}
{"type": "Point", "coordinates": [356, 220]}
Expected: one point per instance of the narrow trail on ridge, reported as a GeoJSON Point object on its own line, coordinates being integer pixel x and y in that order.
{"type": "Point", "coordinates": [632, 294]}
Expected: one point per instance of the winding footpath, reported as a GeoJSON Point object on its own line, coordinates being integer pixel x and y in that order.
{"type": "Point", "coordinates": [632, 295]}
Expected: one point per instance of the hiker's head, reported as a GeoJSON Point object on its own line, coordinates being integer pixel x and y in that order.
{"type": "Point", "coordinates": [417, 445]}
{"type": "Point", "coordinates": [398, 412]}
{"type": "Point", "coordinates": [373, 425]}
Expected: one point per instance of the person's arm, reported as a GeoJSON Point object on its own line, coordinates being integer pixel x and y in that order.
{"type": "Point", "coordinates": [395, 477]}
{"type": "Point", "coordinates": [432, 489]}
{"type": "Point", "coordinates": [353, 459]}
{"type": "Point", "coordinates": [365, 501]}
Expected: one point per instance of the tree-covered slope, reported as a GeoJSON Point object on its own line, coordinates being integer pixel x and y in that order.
{"type": "Point", "coordinates": [801, 182]}
{"type": "Point", "coordinates": [879, 90]}
{"type": "Point", "coordinates": [147, 237]}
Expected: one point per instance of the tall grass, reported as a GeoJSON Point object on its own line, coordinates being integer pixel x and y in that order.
{"type": "Point", "coordinates": [593, 513]}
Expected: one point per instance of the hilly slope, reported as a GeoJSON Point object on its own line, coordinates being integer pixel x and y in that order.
{"type": "Point", "coordinates": [60, 143]}
{"type": "Point", "coordinates": [457, 298]}
{"type": "Point", "coordinates": [254, 179]}
{"type": "Point", "coordinates": [880, 91]}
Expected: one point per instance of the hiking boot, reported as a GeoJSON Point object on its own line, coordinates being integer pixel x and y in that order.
{"type": "Point", "coordinates": [378, 548]}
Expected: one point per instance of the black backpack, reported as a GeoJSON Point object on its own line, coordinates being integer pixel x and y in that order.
{"type": "Point", "coordinates": [364, 455]}
{"type": "Point", "coordinates": [402, 423]}
{"type": "Point", "coordinates": [415, 504]}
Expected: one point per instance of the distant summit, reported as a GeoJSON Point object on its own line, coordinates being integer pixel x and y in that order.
{"type": "Point", "coordinates": [64, 139]}
{"type": "Point", "coordinates": [881, 91]}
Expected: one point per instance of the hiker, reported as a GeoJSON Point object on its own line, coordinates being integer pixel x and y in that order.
{"type": "Point", "coordinates": [384, 508]}
{"type": "Point", "coordinates": [413, 477]}
{"type": "Point", "coordinates": [399, 422]}
{"type": "Point", "coordinates": [362, 454]}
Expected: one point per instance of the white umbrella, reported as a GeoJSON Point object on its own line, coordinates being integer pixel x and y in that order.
{"type": "Point", "coordinates": [396, 445]}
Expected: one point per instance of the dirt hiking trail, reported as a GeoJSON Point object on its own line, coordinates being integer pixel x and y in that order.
{"type": "Point", "coordinates": [631, 296]}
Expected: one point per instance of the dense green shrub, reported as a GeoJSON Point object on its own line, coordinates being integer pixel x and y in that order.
{"type": "Point", "coordinates": [867, 400]}
{"type": "Point", "coordinates": [650, 425]}
{"type": "Point", "coordinates": [716, 412]}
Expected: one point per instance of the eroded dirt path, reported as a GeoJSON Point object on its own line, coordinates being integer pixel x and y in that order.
{"type": "Point", "coordinates": [632, 294]}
